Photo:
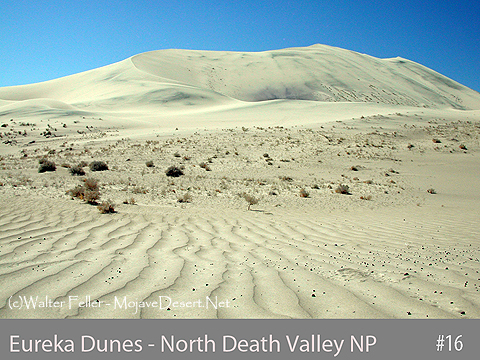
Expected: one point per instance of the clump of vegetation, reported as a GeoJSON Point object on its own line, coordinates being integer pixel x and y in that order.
{"type": "Point", "coordinates": [106, 207]}
{"type": "Point", "coordinates": [76, 192]}
{"type": "Point", "coordinates": [250, 199]}
{"type": "Point", "coordinates": [366, 197]}
{"type": "Point", "coordinates": [150, 163]}
{"type": "Point", "coordinates": [174, 171]}
{"type": "Point", "coordinates": [77, 171]}
{"type": "Point", "coordinates": [186, 198]}
{"type": "Point", "coordinates": [90, 184]}
{"type": "Point", "coordinates": [205, 166]}
{"type": "Point", "coordinates": [139, 190]}
{"type": "Point", "coordinates": [304, 193]}
{"type": "Point", "coordinates": [129, 202]}
{"type": "Point", "coordinates": [46, 165]}
{"type": "Point", "coordinates": [463, 147]}
{"type": "Point", "coordinates": [98, 166]}
{"type": "Point", "coordinates": [436, 141]}
{"type": "Point", "coordinates": [342, 189]}
{"type": "Point", "coordinates": [431, 191]}
{"type": "Point", "coordinates": [89, 191]}
{"type": "Point", "coordinates": [91, 196]}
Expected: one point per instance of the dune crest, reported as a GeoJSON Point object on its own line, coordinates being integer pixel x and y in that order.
{"type": "Point", "coordinates": [317, 73]}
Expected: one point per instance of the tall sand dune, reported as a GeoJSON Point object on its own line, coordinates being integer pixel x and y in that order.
{"type": "Point", "coordinates": [160, 80]}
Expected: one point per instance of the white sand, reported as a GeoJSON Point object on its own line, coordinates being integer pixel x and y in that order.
{"type": "Point", "coordinates": [266, 124]}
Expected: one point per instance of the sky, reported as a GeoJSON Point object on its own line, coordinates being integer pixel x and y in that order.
{"type": "Point", "coordinates": [42, 40]}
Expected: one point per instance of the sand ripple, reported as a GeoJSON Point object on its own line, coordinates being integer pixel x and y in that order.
{"type": "Point", "coordinates": [261, 265]}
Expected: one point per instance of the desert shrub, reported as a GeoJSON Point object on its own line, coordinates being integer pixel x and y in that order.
{"type": "Point", "coordinates": [91, 184]}
{"type": "Point", "coordinates": [431, 191]}
{"type": "Point", "coordinates": [77, 171]}
{"type": "Point", "coordinates": [342, 189]}
{"type": "Point", "coordinates": [98, 166]}
{"type": "Point", "coordinates": [186, 198]}
{"type": "Point", "coordinates": [304, 193]}
{"type": "Point", "coordinates": [91, 196]}
{"type": "Point", "coordinates": [250, 199]}
{"type": "Point", "coordinates": [139, 190]}
{"type": "Point", "coordinates": [149, 163]}
{"type": "Point", "coordinates": [205, 166]}
{"type": "Point", "coordinates": [21, 181]}
{"type": "Point", "coordinates": [174, 171]}
{"type": "Point", "coordinates": [46, 165]}
{"type": "Point", "coordinates": [129, 202]}
{"type": "Point", "coordinates": [106, 207]}
{"type": "Point", "coordinates": [463, 147]}
{"type": "Point", "coordinates": [77, 191]}
{"type": "Point", "coordinates": [88, 192]}
{"type": "Point", "coordinates": [366, 197]}
{"type": "Point", "coordinates": [436, 141]}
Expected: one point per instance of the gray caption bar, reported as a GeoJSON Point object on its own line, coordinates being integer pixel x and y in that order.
{"type": "Point", "coordinates": [239, 339]}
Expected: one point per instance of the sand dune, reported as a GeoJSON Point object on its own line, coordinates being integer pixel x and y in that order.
{"type": "Point", "coordinates": [178, 78]}
{"type": "Point", "coordinates": [286, 127]}
{"type": "Point", "coordinates": [317, 73]}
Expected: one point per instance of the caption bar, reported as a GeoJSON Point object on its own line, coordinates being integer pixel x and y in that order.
{"type": "Point", "coordinates": [231, 339]}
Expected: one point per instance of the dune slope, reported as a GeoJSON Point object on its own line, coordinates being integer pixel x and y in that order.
{"type": "Point", "coordinates": [159, 79]}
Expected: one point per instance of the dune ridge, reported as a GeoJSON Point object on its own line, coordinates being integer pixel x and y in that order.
{"type": "Point", "coordinates": [208, 78]}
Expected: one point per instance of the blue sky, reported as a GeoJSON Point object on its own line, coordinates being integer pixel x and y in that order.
{"type": "Point", "coordinates": [42, 40]}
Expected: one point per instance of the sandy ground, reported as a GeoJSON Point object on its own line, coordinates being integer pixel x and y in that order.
{"type": "Point", "coordinates": [388, 249]}
{"type": "Point", "coordinates": [256, 227]}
